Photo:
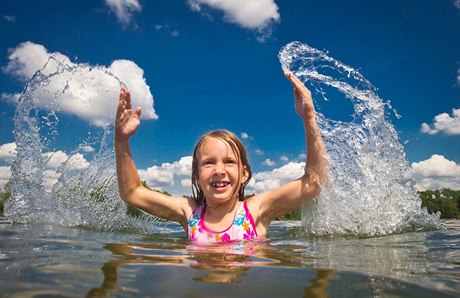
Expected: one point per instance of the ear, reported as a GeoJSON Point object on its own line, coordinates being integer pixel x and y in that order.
{"type": "Point", "coordinates": [245, 175]}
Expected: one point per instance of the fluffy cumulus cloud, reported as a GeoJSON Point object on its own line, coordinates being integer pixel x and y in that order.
{"type": "Point", "coordinates": [268, 162]}
{"type": "Point", "coordinates": [169, 174]}
{"type": "Point", "coordinates": [89, 92]}
{"type": "Point", "coordinates": [8, 152]}
{"type": "Point", "coordinates": [268, 180]}
{"type": "Point", "coordinates": [124, 9]}
{"type": "Point", "coordinates": [450, 125]}
{"type": "Point", "coordinates": [55, 159]}
{"type": "Point", "coordinates": [457, 3]}
{"type": "Point", "coordinates": [255, 15]}
{"type": "Point", "coordinates": [435, 173]}
{"type": "Point", "coordinates": [51, 175]}
{"type": "Point", "coordinates": [74, 162]}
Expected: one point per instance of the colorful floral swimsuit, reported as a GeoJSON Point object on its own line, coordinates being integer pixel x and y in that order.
{"type": "Point", "coordinates": [242, 228]}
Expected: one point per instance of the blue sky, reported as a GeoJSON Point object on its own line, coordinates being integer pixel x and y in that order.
{"type": "Point", "coordinates": [214, 64]}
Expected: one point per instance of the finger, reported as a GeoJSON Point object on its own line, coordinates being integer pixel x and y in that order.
{"type": "Point", "coordinates": [137, 113]}
{"type": "Point", "coordinates": [128, 99]}
{"type": "Point", "coordinates": [121, 103]}
{"type": "Point", "coordinates": [295, 81]}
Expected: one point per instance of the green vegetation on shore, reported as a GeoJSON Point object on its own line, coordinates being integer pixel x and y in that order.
{"type": "Point", "coordinates": [5, 194]}
{"type": "Point", "coordinates": [445, 201]}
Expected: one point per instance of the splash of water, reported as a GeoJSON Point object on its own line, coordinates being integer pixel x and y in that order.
{"type": "Point", "coordinates": [84, 197]}
{"type": "Point", "coordinates": [368, 194]}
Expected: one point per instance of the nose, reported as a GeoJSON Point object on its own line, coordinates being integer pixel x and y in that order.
{"type": "Point", "coordinates": [220, 168]}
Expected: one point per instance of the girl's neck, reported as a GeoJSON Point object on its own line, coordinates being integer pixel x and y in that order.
{"type": "Point", "coordinates": [221, 209]}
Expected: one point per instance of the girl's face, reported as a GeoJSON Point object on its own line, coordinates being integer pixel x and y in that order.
{"type": "Point", "coordinates": [219, 171]}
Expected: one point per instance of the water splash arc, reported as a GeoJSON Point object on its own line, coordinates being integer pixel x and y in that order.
{"type": "Point", "coordinates": [369, 193]}
{"type": "Point", "coordinates": [75, 196]}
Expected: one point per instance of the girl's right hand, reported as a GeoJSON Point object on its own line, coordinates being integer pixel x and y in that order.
{"type": "Point", "coordinates": [126, 121]}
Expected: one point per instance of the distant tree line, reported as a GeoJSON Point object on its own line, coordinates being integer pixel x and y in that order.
{"type": "Point", "coordinates": [5, 194]}
{"type": "Point", "coordinates": [446, 201]}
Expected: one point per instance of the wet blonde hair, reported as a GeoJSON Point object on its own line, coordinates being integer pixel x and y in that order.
{"type": "Point", "coordinates": [237, 147]}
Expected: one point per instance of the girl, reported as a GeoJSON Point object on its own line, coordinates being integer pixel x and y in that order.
{"type": "Point", "coordinates": [220, 171]}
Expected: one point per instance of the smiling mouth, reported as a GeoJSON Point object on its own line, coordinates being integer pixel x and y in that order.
{"type": "Point", "coordinates": [219, 184]}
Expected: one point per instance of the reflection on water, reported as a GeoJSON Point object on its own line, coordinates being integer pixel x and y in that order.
{"type": "Point", "coordinates": [228, 263]}
{"type": "Point", "coordinates": [73, 262]}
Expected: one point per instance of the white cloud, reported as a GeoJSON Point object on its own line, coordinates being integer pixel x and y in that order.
{"type": "Point", "coordinates": [10, 97]}
{"type": "Point", "coordinates": [435, 172]}
{"type": "Point", "coordinates": [55, 159]}
{"type": "Point", "coordinates": [5, 175]}
{"type": "Point", "coordinates": [284, 158]}
{"type": "Point", "coordinates": [11, 19]}
{"type": "Point", "coordinates": [269, 162]}
{"type": "Point", "coordinates": [450, 125]}
{"type": "Point", "coordinates": [167, 174]}
{"type": "Point", "coordinates": [167, 29]}
{"type": "Point", "coordinates": [8, 152]}
{"type": "Point", "coordinates": [255, 186]}
{"type": "Point", "coordinates": [89, 92]}
{"type": "Point", "coordinates": [50, 177]}
{"type": "Point", "coordinates": [268, 180]}
{"type": "Point", "coordinates": [124, 9]}
{"type": "Point", "coordinates": [27, 58]}
{"type": "Point", "coordinates": [88, 149]}
{"type": "Point", "coordinates": [255, 15]}
{"type": "Point", "coordinates": [244, 135]}
{"type": "Point", "coordinates": [74, 162]}
{"type": "Point", "coordinates": [259, 152]}
{"type": "Point", "coordinates": [157, 175]}
{"type": "Point", "coordinates": [186, 182]}
{"type": "Point", "coordinates": [77, 162]}
{"type": "Point", "coordinates": [457, 3]}
{"type": "Point", "coordinates": [458, 71]}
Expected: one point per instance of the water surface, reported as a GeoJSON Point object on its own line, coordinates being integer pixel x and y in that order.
{"type": "Point", "coordinates": [45, 260]}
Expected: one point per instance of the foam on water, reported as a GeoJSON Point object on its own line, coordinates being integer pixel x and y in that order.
{"type": "Point", "coordinates": [368, 194]}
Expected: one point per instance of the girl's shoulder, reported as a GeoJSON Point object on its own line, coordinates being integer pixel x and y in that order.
{"type": "Point", "coordinates": [190, 205]}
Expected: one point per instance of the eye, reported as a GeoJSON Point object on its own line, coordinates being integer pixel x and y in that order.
{"type": "Point", "coordinates": [207, 162]}
{"type": "Point", "coordinates": [231, 161]}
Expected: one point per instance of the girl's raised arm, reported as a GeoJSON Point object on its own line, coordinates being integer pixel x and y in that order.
{"type": "Point", "coordinates": [292, 195]}
{"type": "Point", "coordinates": [129, 183]}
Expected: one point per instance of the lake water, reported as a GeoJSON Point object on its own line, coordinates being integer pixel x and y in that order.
{"type": "Point", "coordinates": [43, 260]}
{"type": "Point", "coordinates": [68, 233]}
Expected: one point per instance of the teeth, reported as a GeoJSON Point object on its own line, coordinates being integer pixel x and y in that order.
{"type": "Point", "coordinates": [220, 184]}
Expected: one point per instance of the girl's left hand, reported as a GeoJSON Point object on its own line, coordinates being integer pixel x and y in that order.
{"type": "Point", "coordinates": [303, 101]}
